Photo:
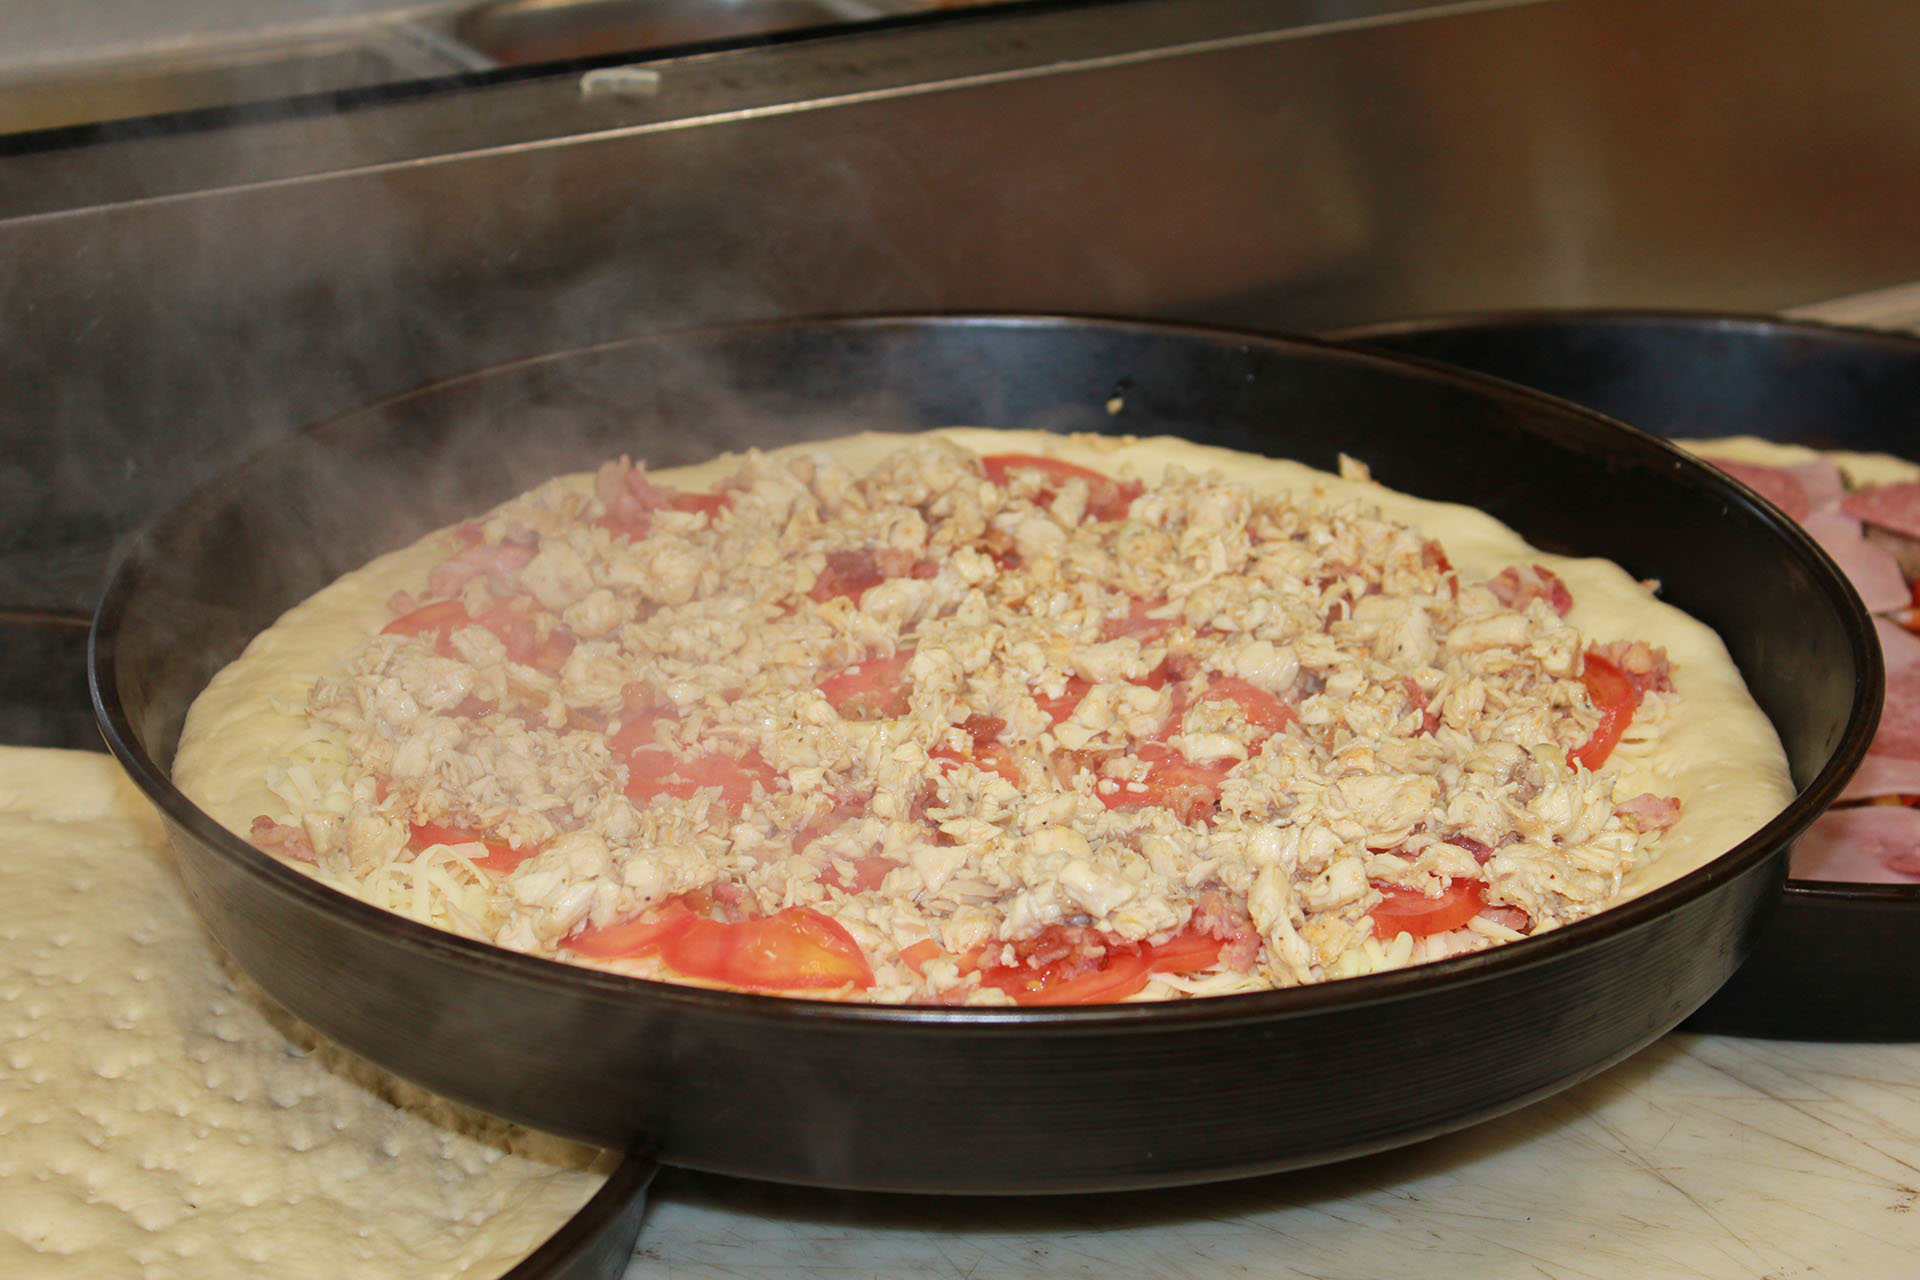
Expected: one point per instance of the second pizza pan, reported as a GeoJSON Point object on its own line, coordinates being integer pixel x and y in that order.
{"type": "Point", "coordinates": [982, 1099]}
{"type": "Point", "coordinates": [1833, 955]}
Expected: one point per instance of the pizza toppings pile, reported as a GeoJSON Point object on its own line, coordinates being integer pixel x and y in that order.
{"type": "Point", "coordinates": [975, 729]}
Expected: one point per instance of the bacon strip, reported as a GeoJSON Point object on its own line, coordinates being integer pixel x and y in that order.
{"type": "Point", "coordinates": [279, 838]}
{"type": "Point", "coordinates": [1649, 812]}
{"type": "Point", "coordinates": [1517, 587]}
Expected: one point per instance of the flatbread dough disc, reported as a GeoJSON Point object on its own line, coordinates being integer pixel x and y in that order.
{"type": "Point", "coordinates": [160, 1118]}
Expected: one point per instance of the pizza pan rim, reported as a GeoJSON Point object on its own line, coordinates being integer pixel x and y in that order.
{"type": "Point", "coordinates": [234, 884]}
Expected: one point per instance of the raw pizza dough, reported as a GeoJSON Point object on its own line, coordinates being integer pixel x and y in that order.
{"type": "Point", "coordinates": [1716, 751]}
{"type": "Point", "coordinates": [159, 1118]}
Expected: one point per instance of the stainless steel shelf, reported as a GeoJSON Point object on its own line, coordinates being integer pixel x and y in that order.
{"type": "Point", "coordinates": [180, 292]}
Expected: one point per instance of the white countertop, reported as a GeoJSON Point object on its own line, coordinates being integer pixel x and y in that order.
{"type": "Point", "coordinates": [1702, 1156]}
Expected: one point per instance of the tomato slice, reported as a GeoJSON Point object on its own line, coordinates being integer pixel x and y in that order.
{"type": "Point", "coordinates": [986, 751]}
{"type": "Point", "coordinates": [1263, 711]}
{"type": "Point", "coordinates": [636, 937]}
{"type": "Point", "coordinates": [849, 574]}
{"type": "Point", "coordinates": [1107, 498]}
{"type": "Point", "coordinates": [1404, 910]}
{"type": "Point", "coordinates": [638, 728]}
{"type": "Point", "coordinates": [439, 618]}
{"type": "Point", "coordinates": [874, 689]}
{"type": "Point", "coordinates": [514, 624]}
{"type": "Point", "coordinates": [1087, 968]}
{"type": "Point", "coordinates": [736, 778]}
{"type": "Point", "coordinates": [869, 873]}
{"type": "Point", "coordinates": [1615, 699]}
{"type": "Point", "coordinates": [797, 949]}
{"type": "Point", "coordinates": [1137, 621]}
{"type": "Point", "coordinates": [706, 504]}
{"type": "Point", "coordinates": [655, 771]}
{"type": "Point", "coordinates": [500, 857]}
{"type": "Point", "coordinates": [510, 620]}
{"type": "Point", "coordinates": [1059, 707]}
{"type": "Point", "coordinates": [917, 955]}
{"type": "Point", "coordinates": [1173, 782]}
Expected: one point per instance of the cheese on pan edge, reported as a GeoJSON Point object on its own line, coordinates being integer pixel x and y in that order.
{"type": "Point", "coordinates": [159, 1118]}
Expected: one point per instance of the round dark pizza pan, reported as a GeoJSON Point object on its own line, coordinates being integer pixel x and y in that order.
{"type": "Point", "coordinates": [596, 1243]}
{"type": "Point", "coordinates": [981, 1100]}
{"type": "Point", "coordinates": [1833, 956]}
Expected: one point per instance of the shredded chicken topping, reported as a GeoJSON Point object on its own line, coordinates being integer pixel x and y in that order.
{"type": "Point", "coordinates": [977, 730]}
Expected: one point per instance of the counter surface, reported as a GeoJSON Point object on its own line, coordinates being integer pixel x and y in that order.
{"type": "Point", "coordinates": [1700, 1157]}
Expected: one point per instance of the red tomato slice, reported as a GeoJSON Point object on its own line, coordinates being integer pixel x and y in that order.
{"type": "Point", "coordinates": [849, 574]}
{"type": "Point", "coordinates": [440, 619]}
{"type": "Point", "coordinates": [1173, 782]}
{"type": "Point", "coordinates": [1136, 621]}
{"type": "Point", "coordinates": [869, 873]}
{"type": "Point", "coordinates": [1107, 498]}
{"type": "Point", "coordinates": [647, 772]}
{"type": "Point", "coordinates": [1263, 711]}
{"type": "Point", "coordinates": [509, 620]}
{"type": "Point", "coordinates": [1615, 699]}
{"type": "Point", "coordinates": [993, 757]}
{"type": "Point", "coordinates": [638, 729]}
{"type": "Point", "coordinates": [986, 751]}
{"type": "Point", "coordinates": [917, 955]}
{"type": "Point", "coordinates": [735, 778]}
{"type": "Point", "coordinates": [1159, 678]}
{"type": "Point", "coordinates": [655, 771]}
{"type": "Point", "coordinates": [500, 857]}
{"type": "Point", "coordinates": [793, 950]}
{"type": "Point", "coordinates": [1095, 972]}
{"type": "Point", "coordinates": [1058, 708]}
{"type": "Point", "coordinates": [1404, 910]}
{"type": "Point", "coordinates": [525, 645]}
{"type": "Point", "coordinates": [875, 689]}
{"type": "Point", "coordinates": [639, 936]}
{"type": "Point", "coordinates": [707, 504]}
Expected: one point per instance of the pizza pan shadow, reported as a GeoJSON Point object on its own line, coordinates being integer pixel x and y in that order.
{"type": "Point", "coordinates": [981, 1100]}
{"type": "Point", "coordinates": [1830, 953]}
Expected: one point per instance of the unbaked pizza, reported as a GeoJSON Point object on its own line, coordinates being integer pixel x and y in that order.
{"type": "Point", "coordinates": [981, 717]}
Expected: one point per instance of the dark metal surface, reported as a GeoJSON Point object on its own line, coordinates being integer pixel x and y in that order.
{"type": "Point", "coordinates": [982, 1099]}
{"type": "Point", "coordinates": [1831, 953]}
{"type": "Point", "coordinates": [43, 681]}
{"type": "Point", "coordinates": [597, 1242]}
{"type": "Point", "coordinates": [175, 300]}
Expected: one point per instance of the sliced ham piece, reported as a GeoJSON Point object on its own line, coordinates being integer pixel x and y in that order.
{"type": "Point", "coordinates": [1822, 481]}
{"type": "Point", "coordinates": [1876, 843]}
{"type": "Point", "coordinates": [1904, 550]}
{"type": "Point", "coordinates": [1883, 775]}
{"type": "Point", "coordinates": [1891, 506]}
{"type": "Point", "coordinates": [1872, 569]}
{"type": "Point", "coordinates": [1777, 485]}
{"type": "Point", "coordinates": [1899, 733]}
